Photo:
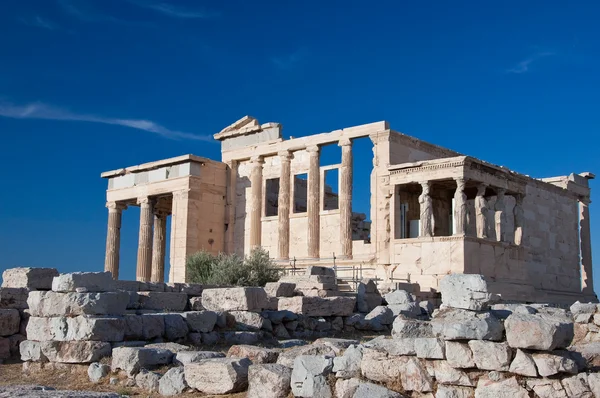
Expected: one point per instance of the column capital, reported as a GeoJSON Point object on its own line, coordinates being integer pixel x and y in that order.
{"type": "Point", "coordinates": [460, 181]}
{"type": "Point", "coordinates": [500, 191]}
{"type": "Point", "coordinates": [257, 160]}
{"type": "Point", "coordinates": [179, 194]}
{"type": "Point", "coordinates": [345, 142]}
{"type": "Point", "coordinates": [117, 206]}
{"type": "Point", "coordinates": [380, 136]}
{"type": "Point", "coordinates": [312, 149]}
{"type": "Point", "coordinates": [144, 200]}
{"type": "Point", "coordinates": [285, 156]}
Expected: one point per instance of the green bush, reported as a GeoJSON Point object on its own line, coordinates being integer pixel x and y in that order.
{"type": "Point", "coordinates": [256, 269]}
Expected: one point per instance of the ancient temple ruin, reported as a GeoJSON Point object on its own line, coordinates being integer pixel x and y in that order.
{"type": "Point", "coordinates": [433, 212]}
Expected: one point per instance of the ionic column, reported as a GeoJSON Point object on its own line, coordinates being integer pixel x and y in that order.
{"type": "Point", "coordinates": [144, 257]}
{"type": "Point", "coordinates": [345, 198]}
{"type": "Point", "coordinates": [113, 238]}
{"type": "Point", "coordinates": [255, 201]}
{"type": "Point", "coordinates": [313, 207]}
{"type": "Point", "coordinates": [500, 216]}
{"type": "Point", "coordinates": [426, 210]}
{"type": "Point", "coordinates": [283, 205]}
{"type": "Point", "coordinates": [587, 281]}
{"type": "Point", "coordinates": [481, 212]}
{"type": "Point", "coordinates": [460, 207]}
{"type": "Point", "coordinates": [159, 245]}
{"type": "Point", "coordinates": [519, 219]}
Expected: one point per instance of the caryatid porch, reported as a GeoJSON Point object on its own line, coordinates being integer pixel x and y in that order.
{"type": "Point", "coordinates": [189, 189]}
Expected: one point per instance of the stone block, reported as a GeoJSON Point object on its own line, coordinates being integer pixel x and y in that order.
{"type": "Point", "coordinates": [510, 387]}
{"type": "Point", "coordinates": [132, 359]}
{"type": "Point", "coordinates": [405, 346]}
{"type": "Point", "coordinates": [348, 365]}
{"type": "Point", "coordinates": [398, 297]}
{"type": "Point", "coordinates": [429, 348]}
{"type": "Point", "coordinates": [549, 364]}
{"type": "Point", "coordinates": [280, 289]}
{"type": "Point", "coordinates": [409, 310]}
{"type": "Point", "coordinates": [147, 380]}
{"type": "Point", "coordinates": [234, 299]}
{"type": "Point", "coordinates": [14, 297]}
{"type": "Point", "coordinates": [523, 365]}
{"type": "Point", "coordinates": [466, 291]}
{"type": "Point", "coordinates": [176, 327]}
{"type": "Point", "coordinates": [172, 383]}
{"type": "Point", "coordinates": [86, 281]}
{"type": "Point", "coordinates": [318, 270]}
{"type": "Point", "coordinates": [128, 286]}
{"type": "Point", "coordinates": [286, 358]}
{"type": "Point", "coordinates": [186, 357]}
{"type": "Point", "coordinates": [404, 327]}
{"type": "Point", "coordinates": [583, 308]}
{"type": "Point", "coordinates": [79, 328]}
{"type": "Point", "coordinates": [162, 301]}
{"type": "Point", "coordinates": [491, 356]}
{"type": "Point", "coordinates": [253, 353]}
{"type": "Point", "coordinates": [538, 331]}
{"type": "Point", "coordinates": [169, 346]}
{"type": "Point", "coordinates": [200, 321]}
{"type": "Point", "coordinates": [318, 306]}
{"type": "Point", "coordinates": [446, 374]}
{"type": "Point", "coordinates": [459, 324]}
{"type": "Point", "coordinates": [370, 390]}
{"type": "Point", "coordinates": [268, 380]}
{"type": "Point", "coordinates": [309, 376]}
{"type": "Point", "coordinates": [444, 391]}
{"type": "Point", "coordinates": [241, 337]}
{"type": "Point", "coordinates": [97, 371]}
{"type": "Point", "coordinates": [4, 348]}
{"type": "Point", "coordinates": [218, 375]}
{"type": "Point", "coordinates": [247, 320]}
{"type": "Point", "coordinates": [30, 278]}
{"type": "Point", "coordinates": [10, 321]}
{"type": "Point", "coordinates": [74, 351]}
{"type": "Point", "coordinates": [577, 386]}
{"type": "Point", "coordinates": [546, 388]}
{"type": "Point", "coordinates": [195, 304]}
{"type": "Point", "coordinates": [459, 355]}
{"type": "Point", "coordinates": [153, 326]}
{"type": "Point", "coordinates": [381, 314]}
{"type": "Point", "coordinates": [50, 304]}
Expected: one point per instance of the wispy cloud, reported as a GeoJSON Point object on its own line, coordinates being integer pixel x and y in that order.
{"type": "Point", "coordinates": [39, 22]}
{"type": "Point", "coordinates": [173, 11]}
{"type": "Point", "coordinates": [523, 66]}
{"type": "Point", "coordinates": [38, 110]}
{"type": "Point", "coordinates": [289, 61]}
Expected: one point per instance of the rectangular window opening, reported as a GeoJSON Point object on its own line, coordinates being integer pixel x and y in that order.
{"type": "Point", "coordinates": [272, 197]}
{"type": "Point", "coordinates": [300, 193]}
{"type": "Point", "coordinates": [331, 190]}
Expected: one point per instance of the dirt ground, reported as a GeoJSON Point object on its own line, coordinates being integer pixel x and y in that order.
{"type": "Point", "coordinates": [74, 377]}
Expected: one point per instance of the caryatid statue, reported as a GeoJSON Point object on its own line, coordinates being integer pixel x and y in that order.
{"type": "Point", "coordinates": [460, 207]}
{"type": "Point", "coordinates": [481, 212]}
{"type": "Point", "coordinates": [426, 210]}
{"type": "Point", "coordinates": [519, 219]}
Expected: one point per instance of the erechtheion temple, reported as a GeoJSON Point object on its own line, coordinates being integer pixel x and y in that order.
{"type": "Point", "coordinates": [432, 212]}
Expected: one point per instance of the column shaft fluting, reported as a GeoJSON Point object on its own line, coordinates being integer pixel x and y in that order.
{"type": "Point", "coordinates": [313, 207]}
{"type": "Point", "coordinates": [113, 238]}
{"type": "Point", "coordinates": [255, 202]}
{"type": "Point", "coordinates": [587, 281]}
{"type": "Point", "coordinates": [159, 245]}
{"type": "Point", "coordinates": [345, 198]}
{"type": "Point", "coordinates": [144, 257]}
{"type": "Point", "coordinates": [283, 205]}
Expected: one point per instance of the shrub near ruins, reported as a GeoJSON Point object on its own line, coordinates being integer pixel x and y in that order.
{"type": "Point", "coordinates": [256, 269]}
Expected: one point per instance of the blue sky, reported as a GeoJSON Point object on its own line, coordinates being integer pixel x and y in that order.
{"type": "Point", "coordinates": [89, 85]}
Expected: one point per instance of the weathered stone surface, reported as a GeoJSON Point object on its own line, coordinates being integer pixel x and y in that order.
{"type": "Point", "coordinates": [51, 303]}
{"type": "Point", "coordinates": [90, 281]}
{"type": "Point", "coordinates": [459, 324]}
{"type": "Point", "coordinates": [491, 356]}
{"type": "Point", "coordinates": [409, 328]}
{"type": "Point", "coordinates": [31, 278]}
{"type": "Point", "coordinates": [319, 270]}
{"type": "Point", "coordinates": [508, 388]}
{"type": "Point", "coordinates": [200, 321]}
{"type": "Point", "coordinates": [195, 304]}
{"type": "Point", "coordinates": [466, 291]}
{"type": "Point", "coordinates": [97, 371]}
{"type": "Point", "coordinates": [147, 380]}
{"type": "Point", "coordinates": [255, 354]}
{"type": "Point", "coordinates": [269, 380]}
{"type": "Point", "coordinates": [414, 376]}
{"type": "Point", "coordinates": [583, 308]}
{"type": "Point", "coordinates": [83, 327]}
{"type": "Point", "coordinates": [176, 326]}
{"type": "Point", "coordinates": [380, 314]}
{"type": "Point", "coordinates": [546, 388]}
{"type": "Point", "coordinates": [218, 375]}
{"type": "Point", "coordinates": [172, 382]}
{"type": "Point", "coordinates": [247, 320]}
{"type": "Point", "coordinates": [31, 351]}
{"type": "Point", "coordinates": [459, 355]}
{"type": "Point", "coordinates": [74, 351]}
{"type": "Point", "coordinates": [163, 301]}
{"type": "Point", "coordinates": [444, 391]}
{"type": "Point", "coordinates": [594, 383]}
{"type": "Point", "coordinates": [9, 322]}
{"type": "Point", "coordinates": [318, 306]}
{"type": "Point", "coordinates": [404, 346]}
{"type": "Point", "coordinates": [4, 348]}
{"type": "Point", "coordinates": [241, 337]}
{"type": "Point", "coordinates": [398, 297]}
{"type": "Point", "coordinates": [153, 326]}
{"type": "Point", "coordinates": [370, 390]}
{"type": "Point", "coordinates": [287, 357]}
{"type": "Point", "coordinates": [549, 364]}
{"type": "Point", "coordinates": [277, 317]}
{"type": "Point", "coordinates": [410, 310]}
{"type": "Point", "coordinates": [346, 388]}
{"type": "Point", "coordinates": [173, 347]}
{"type": "Point", "coordinates": [14, 297]}
{"type": "Point", "coordinates": [381, 367]}
{"type": "Point", "coordinates": [446, 374]}
{"type": "Point", "coordinates": [367, 296]}
{"type": "Point", "coordinates": [309, 376]}
{"type": "Point", "coordinates": [429, 348]}
{"type": "Point", "coordinates": [186, 357]}
{"type": "Point", "coordinates": [588, 354]}
{"type": "Point", "coordinates": [335, 343]}
{"type": "Point", "coordinates": [280, 289]}
{"type": "Point", "coordinates": [577, 386]}
{"type": "Point", "coordinates": [348, 365]}
{"type": "Point", "coordinates": [538, 332]}
{"type": "Point", "coordinates": [523, 365]}
{"type": "Point", "coordinates": [132, 359]}
{"type": "Point", "coordinates": [234, 299]}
